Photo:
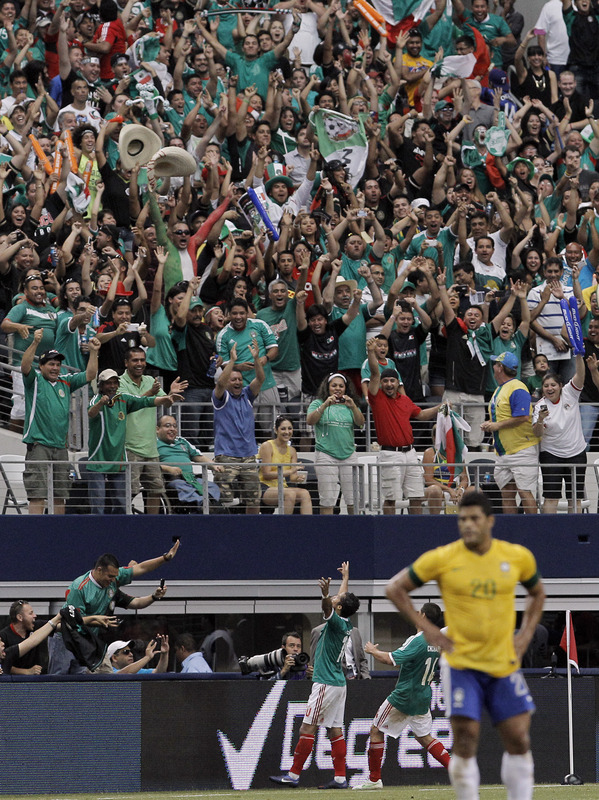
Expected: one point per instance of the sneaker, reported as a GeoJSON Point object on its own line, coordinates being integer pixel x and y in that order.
{"type": "Point", "coordinates": [370, 785]}
{"type": "Point", "coordinates": [230, 503]}
{"type": "Point", "coordinates": [335, 785]}
{"type": "Point", "coordinates": [285, 779]}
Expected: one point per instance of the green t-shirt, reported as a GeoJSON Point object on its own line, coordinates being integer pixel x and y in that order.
{"type": "Point", "coordinates": [514, 345]}
{"type": "Point", "coordinates": [68, 342]}
{"type": "Point", "coordinates": [163, 355]}
{"type": "Point", "coordinates": [284, 326]}
{"type": "Point", "coordinates": [255, 329]}
{"type": "Point", "coordinates": [141, 427]}
{"type": "Point", "coordinates": [416, 660]}
{"type": "Point", "coordinates": [47, 407]}
{"type": "Point", "coordinates": [180, 454]}
{"type": "Point", "coordinates": [334, 430]}
{"type": "Point", "coordinates": [352, 342]}
{"type": "Point", "coordinates": [227, 23]}
{"type": "Point", "coordinates": [388, 363]}
{"type": "Point", "coordinates": [447, 238]}
{"type": "Point", "coordinates": [107, 432]}
{"type": "Point", "coordinates": [252, 72]}
{"type": "Point", "coordinates": [43, 317]}
{"type": "Point", "coordinates": [329, 651]}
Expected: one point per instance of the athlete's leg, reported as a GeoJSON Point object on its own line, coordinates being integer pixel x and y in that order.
{"type": "Point", "coordinates": [517, 768]}
{"type": "Point", "coordinates": [338, 752]}
{"type": "Point", "coordinates": [435, 748]}
{"type": "Point", "coordinates": [463, 769]}
{"type": "Point", "coordinates": [376, 750]}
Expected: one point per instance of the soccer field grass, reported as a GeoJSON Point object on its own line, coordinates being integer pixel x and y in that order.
{"type": "Point", "coordinates": [543, 792]}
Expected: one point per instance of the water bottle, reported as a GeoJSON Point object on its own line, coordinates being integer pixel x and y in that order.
{"type": "Point", "coordinates": [211, 371]}
{"type": "Point", "coordinates": [489, 210]}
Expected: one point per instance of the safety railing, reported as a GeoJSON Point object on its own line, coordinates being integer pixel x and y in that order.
{"type": "Point", "coordinates": [367, 484]}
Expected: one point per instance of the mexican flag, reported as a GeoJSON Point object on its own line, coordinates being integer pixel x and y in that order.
{"type": "Point", "coordinates": [341, 138]}
{"type": "Point", "coordinates": [449, 441]}
{"type": "Point", "coordinates": [401, 15]}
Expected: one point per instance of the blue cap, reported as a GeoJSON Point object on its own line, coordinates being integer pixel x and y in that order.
{"type": "Point", "coordinates": [508, 360]}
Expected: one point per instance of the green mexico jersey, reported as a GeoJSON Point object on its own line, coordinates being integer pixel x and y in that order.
{"type": "Point", "coordinates": [284, 327]}
{"type": "Point", "coordinates": [47, 407]}
{"type": "Point", "coordinates": [91, 598]}
{"type": "Point", "coordinates": [260, 332]}
{"type": "Point", "coordinates": [329, 651]}
{"type": "Point", "coordinates": [107, 431]}
{"type": "Point", "coordinates": [417, 660]}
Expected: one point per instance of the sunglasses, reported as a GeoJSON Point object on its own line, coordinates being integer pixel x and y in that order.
{"type": "Point", "coordinates": [181, 233]}
{"type": "Point", "coordinates": [126, 651]}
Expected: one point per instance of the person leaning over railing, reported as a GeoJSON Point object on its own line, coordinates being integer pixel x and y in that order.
{"type": "Point", "coordinates": [47, 404]}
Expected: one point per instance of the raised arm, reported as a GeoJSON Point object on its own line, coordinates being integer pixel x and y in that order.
{"type": "Point", "coordinates": [153, 563]}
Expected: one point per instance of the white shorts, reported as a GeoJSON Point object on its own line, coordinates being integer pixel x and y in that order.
{"type": "Point", "coordinates": [401, 475]}
{"type": "Point", "coordinates": [326, 706]}
{"type": "Point", "coordinates": [332, 473]}
{"type": "Point", "coordinates": [392, 722]}
{"type": "Point", "coordinates": [508, 468]}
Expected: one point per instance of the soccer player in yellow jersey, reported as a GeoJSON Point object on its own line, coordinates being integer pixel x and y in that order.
{"type": "Point", "coordinates": [477, 576]}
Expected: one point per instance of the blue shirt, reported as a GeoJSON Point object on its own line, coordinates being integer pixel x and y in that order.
{"type": "Point", "coordinates": [234, 432]}
{"type": "Point", "coordinates": [195, 663]}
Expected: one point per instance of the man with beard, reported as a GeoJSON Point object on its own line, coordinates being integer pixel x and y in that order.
{"type": "Point", "coordinates": [22, 624]}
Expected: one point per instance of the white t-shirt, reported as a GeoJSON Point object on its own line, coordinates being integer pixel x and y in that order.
{"type": "Point", "coordinates": [499, 254]}
{"type": "Point", "coordinates": [551, 20]}
{"type": "Point", "coordinates": [562, 432]}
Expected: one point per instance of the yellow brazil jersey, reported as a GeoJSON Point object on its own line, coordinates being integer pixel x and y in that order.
{"type": "Point", "coordinates": [478, 593]}
{"type": "Point", "coordinates": [414, 64]}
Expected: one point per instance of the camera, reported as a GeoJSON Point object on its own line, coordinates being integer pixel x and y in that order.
{"type": "Point", "coordinates": [273, 661]}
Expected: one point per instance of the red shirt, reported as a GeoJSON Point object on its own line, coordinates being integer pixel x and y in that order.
{"type": "Point", "coordinates": [392, 417]}
{"type": "Point", "coordinates": [113, 32]}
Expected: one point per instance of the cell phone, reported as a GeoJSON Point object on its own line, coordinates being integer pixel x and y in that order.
{"type": "Point", "coordinates": [362, 213]}
{"type": "Point", "coordinates": [19, 236]}
{"type": "Point", "coordinates": [176, 539]}
{"type": "Point", "coordinates": [162, 581]}
{"type": "Point", "coordinates": [543, 408]}
{"type": "Point", "coordinates": [432, 242]}
{"type": "Point", "coordinates": [341, 399]}
{"type": "Point", "coordinates": [479, 297]}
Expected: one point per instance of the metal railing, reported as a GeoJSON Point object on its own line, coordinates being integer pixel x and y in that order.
{"type": "Point", "coordinates": [366, 478]}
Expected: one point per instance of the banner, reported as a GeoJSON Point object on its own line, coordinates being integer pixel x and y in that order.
{"type": "Point", "coordinates": [341, 138]}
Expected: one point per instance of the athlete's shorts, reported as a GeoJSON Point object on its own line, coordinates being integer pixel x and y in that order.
{"type": "Point", "coordinates": [326, 706]}
{"type": "Point", "coordinates": [466, 691]}
{"type": "Point", "coordinates": [391, 721]}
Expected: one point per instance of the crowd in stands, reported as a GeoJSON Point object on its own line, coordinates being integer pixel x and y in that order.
{"type": "Point", "coordinates": [424, 261]}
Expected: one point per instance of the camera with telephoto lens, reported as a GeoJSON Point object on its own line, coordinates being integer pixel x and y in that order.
{"type": "Point", "coordinates": [273, 661]}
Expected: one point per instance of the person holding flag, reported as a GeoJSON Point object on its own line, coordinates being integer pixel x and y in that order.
{"type": "Point", "coordinates": [401, 475]}
{"type": "Point", "coordinates": [445, 476]}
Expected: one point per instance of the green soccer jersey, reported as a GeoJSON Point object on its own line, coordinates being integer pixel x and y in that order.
{"type": "Point", "coordinates": [91, 598]}
{"type": "Point", "coordinates": [334, 431]}
{"type": "Point", "coordinates": [284, 326]}
{"type": "Point", "coordinates": [352, 342]}
{"type": "Point", "coordinates": [47, 408]}
{"type": "Point", "coordinates": [43, 317]}
{"type": "Point", "coordinates": [255, 329]}
{"type": "Point", "coordinates": [417, 660]}
{"type": "Point", "coordinates": [107, 432]}
{"type": "Point", "coordinates": [180, 454]}
{"type": "Point", "coordinates": [68, 342]}
{"type": "Point", "coordinates": [163, 355]}
{"type": "Point", "coordinates": [329, 651]}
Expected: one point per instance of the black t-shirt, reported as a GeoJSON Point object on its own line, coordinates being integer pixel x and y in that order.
{"type": "Point", "coordinates": [319, 354]}
{"type": "Point", "coordinates": [39, 654]}
{"type": "Point", "coordinates": [112, 353]}
{"type": "Point", "coordinates": [194, 354]}
{"type": "Point", "coordinates": [11, 654]}
{"type": "Point", "coordinates": [590, 393]}
{"type": "Point", "coordinates": [116, 195]}
{"type": "Point", "coordinates": [464, 371]}
{"type": "Point", "coordinates": [404, 349]}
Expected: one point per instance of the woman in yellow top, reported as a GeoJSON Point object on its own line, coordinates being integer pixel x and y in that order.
{"type": "Point", "coordinates": [280, 451]}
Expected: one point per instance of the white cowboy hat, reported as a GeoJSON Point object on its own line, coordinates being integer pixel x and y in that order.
{"type": "Point", "coordinates": [172, 162]}
{"type": "Point", "coordinates": [137, 145]}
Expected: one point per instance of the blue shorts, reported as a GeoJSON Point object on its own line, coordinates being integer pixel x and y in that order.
{"type": "Point", "coordinates": [466, 691]}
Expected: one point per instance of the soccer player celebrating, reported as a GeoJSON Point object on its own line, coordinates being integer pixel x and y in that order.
{"type": "Point", "coordinates": [326, 705]}
{"type": "Point", "coordinates": [409, 703]}
{"type": "Point", "coordinates": [477, 576]}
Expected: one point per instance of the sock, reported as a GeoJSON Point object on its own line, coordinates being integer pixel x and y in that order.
{"type": "Point", "coordinates": [517, 775]}
{"type": "Point", "coordinates": [464, 777]}
{"type": "Point", "coordinates": [437, 751]}
{"type": "Point", "coordinates": [338, 753]}
{"type": "Point", "coordinates": [302, 750]}
{"type": "Point", "coordinates": [375, 760]}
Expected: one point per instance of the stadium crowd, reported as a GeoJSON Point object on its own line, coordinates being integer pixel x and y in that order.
{"type": "Point", "coordinates": [430, 206]}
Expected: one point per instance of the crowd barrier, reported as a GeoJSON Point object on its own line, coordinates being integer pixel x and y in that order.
{"type": "Point", "coordinates": [173, 734]}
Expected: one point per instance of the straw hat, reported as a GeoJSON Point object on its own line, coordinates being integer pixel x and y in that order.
{"type": "Point", "coordinates": [137, 145]}
{"type": "Point", "coordinates": [172, 161]}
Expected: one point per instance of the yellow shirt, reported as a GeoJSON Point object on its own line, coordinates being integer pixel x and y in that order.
{"type": "Point", "coordinates": [414, 64]}
{"type": "Point", "coordinates": [277, 458]}
{"type": "Point", "coordinates": [478, 593]}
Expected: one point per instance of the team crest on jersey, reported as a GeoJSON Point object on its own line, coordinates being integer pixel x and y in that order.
{"type": "Point", "coordinates": [121, 416]}
{"type": "Point", "coordinates": [61, 392]}
{"type": "Point", "coordinates": [504, 566]}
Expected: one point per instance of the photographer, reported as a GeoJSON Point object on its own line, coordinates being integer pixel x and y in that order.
{"type": "Point", "coordinates": [120, 656]}
{"type": "Point", "coordinates": [288, 663]}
